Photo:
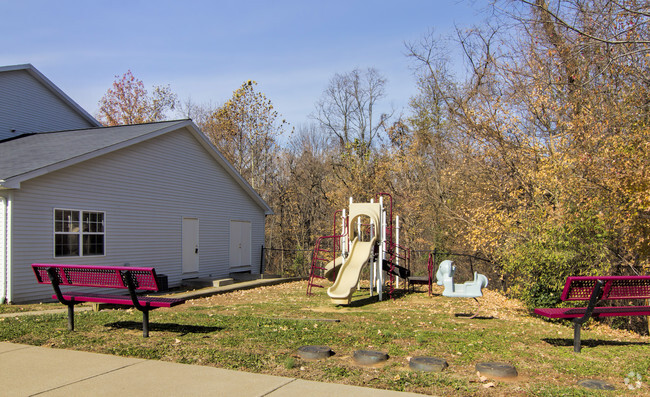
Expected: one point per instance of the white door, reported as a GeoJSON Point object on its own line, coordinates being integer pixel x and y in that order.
{"type": "Point", "coordinates": [240, 244]}
{"type": "Point", "coordinates": [190, 245]}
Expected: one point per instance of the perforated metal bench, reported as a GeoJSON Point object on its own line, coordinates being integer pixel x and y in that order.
{"type": "Point", "coordinates": [131, 278]}
{"type": "Point", "coordinates": [594, 290]}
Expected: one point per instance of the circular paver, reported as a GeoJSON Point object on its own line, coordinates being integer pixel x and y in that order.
{"type": "Point", "coordinates": [596, 384]}
{"type": "Point", "coordinates": [428, 364]}
{"type": "Point", "coordinates": [369, 357]}
{"type": "Point", "coordinates": [314, 352]}
{"type": "Point", "coordinates": [497, 370]}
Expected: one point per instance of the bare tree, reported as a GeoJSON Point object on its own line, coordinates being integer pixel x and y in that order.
{"type": "Point", "coordinates": [347, 109]}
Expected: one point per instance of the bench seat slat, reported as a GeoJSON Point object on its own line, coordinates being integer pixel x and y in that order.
{"type": "Point", "coordinates": [97, 276]}
{"type": "Point", "coordinates": [153, 301]}
{"type": "Point", "coordinates": [616, 287]}
{"type": "Point", "coordinates": [577, 312]}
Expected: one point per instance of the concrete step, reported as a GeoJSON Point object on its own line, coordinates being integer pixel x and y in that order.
{"type": "Point", "coordinates": [249, 277]}
{"type": "Point", "coordinates": [204, 282]}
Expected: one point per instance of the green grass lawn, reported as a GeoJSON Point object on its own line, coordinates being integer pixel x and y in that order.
{"type": "Point", "coordinates": [260, 330]}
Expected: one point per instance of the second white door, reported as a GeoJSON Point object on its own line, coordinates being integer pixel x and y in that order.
{"type": "Point", "coordinates": [240, 244]}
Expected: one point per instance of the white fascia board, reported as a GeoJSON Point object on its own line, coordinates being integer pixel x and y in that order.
{"type": "Point", "coordinates": [3, 249]}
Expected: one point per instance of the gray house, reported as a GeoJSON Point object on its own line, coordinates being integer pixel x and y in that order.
{"type": "Point", "coordinates": [156, 194]}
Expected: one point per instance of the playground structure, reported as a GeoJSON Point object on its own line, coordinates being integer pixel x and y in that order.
{"type": "Point", "coordinates": [367, 237]}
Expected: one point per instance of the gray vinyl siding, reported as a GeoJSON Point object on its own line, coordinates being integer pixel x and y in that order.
{"type": "Point", "coordinates": [28, 106]}
{"type": "Point", "coordinates": [145, 190]}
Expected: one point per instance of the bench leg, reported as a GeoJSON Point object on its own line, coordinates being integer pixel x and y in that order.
{"type": "Point", "coordinates": [576, 336]}
{"type": "Point", "coordinates": [70, 317]}
{"type": "Point", "coordinates": [145, 323]}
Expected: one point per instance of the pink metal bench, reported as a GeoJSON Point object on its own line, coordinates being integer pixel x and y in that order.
{"type": "Point", "coordinates": [594, 290]}
{"type": "Point", "coordinates": [130, 278]}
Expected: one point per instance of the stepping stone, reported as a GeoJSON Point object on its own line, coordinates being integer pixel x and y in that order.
{"type": "Point", "coordinates": [497, 370]}
{"type": "Point", "coordinates": [596, 384]}
{"type": "Point", "coordinates": [314, 352]}
{"type": "Point", "coordinates": [428, 364]}
{"type": "Point", "coordinates": [369, 357]}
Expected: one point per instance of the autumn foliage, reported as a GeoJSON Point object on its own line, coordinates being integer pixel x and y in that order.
{"type": "Point", "coordinates": [548, 137]}
{"type": "Point", "coordinates": [128, 102]}
{"type": "Point", "coordinates": [535, 156]}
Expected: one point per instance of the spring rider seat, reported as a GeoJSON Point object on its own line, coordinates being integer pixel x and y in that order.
{"type": "Point", "coordinates": [469, 289]}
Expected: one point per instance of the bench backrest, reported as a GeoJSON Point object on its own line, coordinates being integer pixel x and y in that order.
{"type": "Point", "coordinates": [144, 278]}
{"type": "Point", "coordinates": [616, 287]}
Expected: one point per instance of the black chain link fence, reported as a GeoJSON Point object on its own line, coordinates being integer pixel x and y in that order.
{"type": "Point", "coordinates": [297, 263]}
{"type": "Point", "coordinates": [466, 264]}
{"type": "Point", "coordinates": [286, 262]}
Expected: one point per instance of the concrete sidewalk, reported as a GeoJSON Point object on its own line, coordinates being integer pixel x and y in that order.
{"type": "Point", "coordinates": [40, 371]}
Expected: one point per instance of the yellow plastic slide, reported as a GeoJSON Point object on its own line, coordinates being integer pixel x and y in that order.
{"type": "Point", "coordinates": [332, 268]}
{"type": "Point", "coordinates": [348, 275]}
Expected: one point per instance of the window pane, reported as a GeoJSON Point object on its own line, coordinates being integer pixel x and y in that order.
{"type": "Point", "coordinates": [66, 221]}
{"type": "Point", "coordinates": [66, 245]}
{"type": "Point", "coordinates": [93, 244]}
{"type": "Point", "coordinates": [74, 227]}
{"type": "Point", "coordinates": [93, 222]}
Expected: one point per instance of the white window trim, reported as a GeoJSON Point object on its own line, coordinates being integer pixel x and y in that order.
{"type": "Point", "coordinates": [80, 233]}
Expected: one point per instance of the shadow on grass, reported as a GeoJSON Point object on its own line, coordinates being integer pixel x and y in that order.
{"type": "Point", "coordinates": [565, 342]}
{"type": "Point", "coordinates": [400, 293]}
{"type": "Point", "coordinates": [182, 329]}
{"type": "Point", "coordinates": [363, 301]}
{"type": "Point", "coordinates": [397, 294]}
{"type": "Point", "coordinates": [469, 315]}
{"type": "Point", "coordinates": [423, 290]}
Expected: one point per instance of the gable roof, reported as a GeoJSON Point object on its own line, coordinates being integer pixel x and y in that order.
{"type": "Point", "coordinates": [32, 71]}
{"type": "Point", "coordinates": [31, 155]}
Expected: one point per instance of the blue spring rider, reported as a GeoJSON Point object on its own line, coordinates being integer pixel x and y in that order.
{"type": "Point", "coordinates": [469, 289]}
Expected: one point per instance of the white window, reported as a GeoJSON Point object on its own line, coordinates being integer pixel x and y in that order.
{"type": "Point", "coordinates": [78, 233]}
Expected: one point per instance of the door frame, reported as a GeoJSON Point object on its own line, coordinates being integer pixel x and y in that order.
{"type": "Point", "coordinates": [246, 252]}
{"type": "Point", "coordinates": [190, 262]}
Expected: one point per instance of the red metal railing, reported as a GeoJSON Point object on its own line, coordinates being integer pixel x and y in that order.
{"type": "Point", "coordinates": [391, 257]}
{"type": "Point", "coordinates": [430, 266]}
{"type": "Point", "coordinates": [320, 256]}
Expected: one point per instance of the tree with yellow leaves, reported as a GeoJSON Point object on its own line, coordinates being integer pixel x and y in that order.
{"type": "Point", "coordinates": [548, 137]}
{"type": "Point", "coordinates": [245, 129]}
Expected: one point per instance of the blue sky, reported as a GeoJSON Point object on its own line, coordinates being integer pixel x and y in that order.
{"type": "Point", "coordinates": [206, 49]}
